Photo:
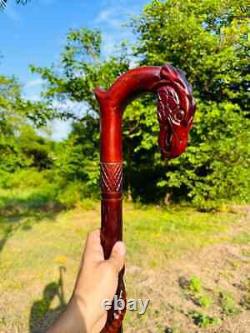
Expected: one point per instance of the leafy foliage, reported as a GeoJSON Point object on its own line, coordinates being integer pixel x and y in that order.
{"type": "Point", "coordinates": [20, 145]}
{"type": "Point", "coordinates": [204, 320]}
{"type": "Point", "coordinates": [209, 41]}
{"type": "Point", "coordinates": [81, 70]}
{"type": "Point", "coordinates": [228, 304]}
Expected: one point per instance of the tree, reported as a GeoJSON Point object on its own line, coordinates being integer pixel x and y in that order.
{"type": "Point", "coordinates": [208, 39]}
{"type": "Point", "coordinates": [3, 3]}
{"type": "Point", "coordinates": [20, 145]}
{"type": "Point", "coordinates": [82, 68]}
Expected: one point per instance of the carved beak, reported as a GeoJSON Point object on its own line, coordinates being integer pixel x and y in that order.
{"type": "Point", "coordinates": [172, 140]}
{"type": "Point", "coordinates": [178, 142]}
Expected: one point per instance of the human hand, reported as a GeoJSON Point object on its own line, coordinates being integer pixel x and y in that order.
{"type": "Point", "coordinates": [96, 282]}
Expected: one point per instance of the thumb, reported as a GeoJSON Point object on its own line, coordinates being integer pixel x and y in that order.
{"type": "Point", "coordinates": [117, 257]}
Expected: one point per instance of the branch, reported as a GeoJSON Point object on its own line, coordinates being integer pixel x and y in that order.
{"type": "Point", "coordinates": [3, 3]}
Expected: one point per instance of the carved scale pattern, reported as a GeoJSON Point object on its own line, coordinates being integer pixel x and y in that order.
{"type": "Point", "coordinates": [111, 177]}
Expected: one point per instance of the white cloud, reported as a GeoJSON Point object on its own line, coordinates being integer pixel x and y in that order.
{"type": "Point", "coordinates": [32, 89]}
{"type": "Point", "coordinates": [32, 98]}
{"type": "Point", "coordinates": [111, 20]}
{"type": "Point", "coordinates": [109, 44]}
{"type": "Point", "coordinates": [12, 13]}
{"type": "Point", "coordinates": [33, 83]}
{"type": "Point", "coordinates": [78, 108]}
{"type": "Point", "coordinates": [109, 17]}
{"type": "Point", "coordinates": [60, 129]}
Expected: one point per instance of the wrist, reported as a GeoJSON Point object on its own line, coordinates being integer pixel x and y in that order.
{"type": "Point", "coordinates": [83, 314]}
{"type": "Point", "coordinates": [72, 320]}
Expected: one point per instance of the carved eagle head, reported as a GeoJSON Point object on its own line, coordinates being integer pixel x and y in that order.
{"type": "Point", "coordinates": [175, 109]}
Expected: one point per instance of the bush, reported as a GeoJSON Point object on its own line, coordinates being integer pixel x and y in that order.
{"type": "Point", "coordinates": [75, 193]}
{"type": "Point", "coordinates": [26, 178]}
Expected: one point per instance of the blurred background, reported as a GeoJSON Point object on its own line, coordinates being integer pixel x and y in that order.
{"type": "Point", "coordinates": [179, 215]}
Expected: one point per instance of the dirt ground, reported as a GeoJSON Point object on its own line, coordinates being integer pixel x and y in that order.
{"type": "Point", "coordinates": [218, 274]}
{"type": "Point", "coordinates": [203, 288]}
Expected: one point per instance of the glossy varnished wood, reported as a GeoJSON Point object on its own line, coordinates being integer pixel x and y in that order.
{"type": "Point", "coordinates": [175, 110]}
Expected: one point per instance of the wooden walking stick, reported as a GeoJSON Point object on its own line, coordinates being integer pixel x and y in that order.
{"type": "Point", "coordinates": [175, 110]}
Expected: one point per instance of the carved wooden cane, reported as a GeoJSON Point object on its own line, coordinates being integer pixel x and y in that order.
{"type": "Point", "coordinates": [175, 110]}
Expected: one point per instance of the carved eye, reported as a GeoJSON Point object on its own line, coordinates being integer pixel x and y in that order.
{"type": "Point", "coordinates": [180, 115]}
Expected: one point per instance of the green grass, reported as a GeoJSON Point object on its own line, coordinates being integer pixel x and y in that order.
{"type": "Point", "coordinates": [228, 304]}
{"type": "Point", "coordinates": [203, 320]}
{"type": "Point", "coordinates": [38, 239]}
{"type": "Point", "coordinates": [193, 290]}
{"type": "Point", "coordinates": [164, 234]}
{"type": "Point", "coordinates": [242, 238]}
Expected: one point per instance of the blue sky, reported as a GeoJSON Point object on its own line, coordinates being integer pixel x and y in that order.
{"type": "Point", "coordinates": [35, 33]}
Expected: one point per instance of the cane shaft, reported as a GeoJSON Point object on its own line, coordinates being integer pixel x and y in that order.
{"type": "Point", "coordinates": [111, 230]}
{"type": "Point", "coordinates": [175, 110]}
{"type": "Point", "coordinates": [111, 204]}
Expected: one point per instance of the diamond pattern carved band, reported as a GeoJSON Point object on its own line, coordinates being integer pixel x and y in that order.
{"type": "Point", "coordinates": [111, 177]}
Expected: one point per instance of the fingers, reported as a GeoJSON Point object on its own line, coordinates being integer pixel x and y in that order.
{"type": "Point", "coordinates": [93, 249]}
{"type": "Point", "coordinates": [117, 257]}
{"type": "Point", "coordinates": [94, 252]}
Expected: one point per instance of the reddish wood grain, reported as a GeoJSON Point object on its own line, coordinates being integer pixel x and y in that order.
{"type": "Point", "coordinates": [175, 111]}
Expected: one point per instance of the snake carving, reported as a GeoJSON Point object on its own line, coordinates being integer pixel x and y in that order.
{"type": "Point", "coordinates": [175, 111]}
